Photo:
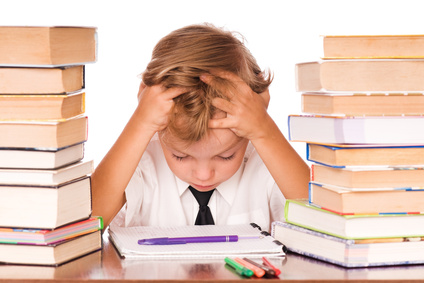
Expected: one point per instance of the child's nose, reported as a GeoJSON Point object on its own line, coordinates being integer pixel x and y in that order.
{"type": "Point", "coordinates": [204, 172]}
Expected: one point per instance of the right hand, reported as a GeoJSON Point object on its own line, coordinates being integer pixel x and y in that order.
{"type": "Point", "coordinates": [155, 106]}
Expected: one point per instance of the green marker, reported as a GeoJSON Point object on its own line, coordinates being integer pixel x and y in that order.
{"type": "Point", "coordinates": [240, 269]}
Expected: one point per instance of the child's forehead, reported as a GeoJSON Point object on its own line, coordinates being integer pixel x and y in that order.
{"type": "Point", "coordinates": [216, 141]}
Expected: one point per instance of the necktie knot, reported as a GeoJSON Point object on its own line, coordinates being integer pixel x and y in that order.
{"type": "Point", "coordinates": [204, 216]}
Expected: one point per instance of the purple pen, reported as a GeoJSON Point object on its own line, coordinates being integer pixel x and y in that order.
{"type": "Point", "coordinates": [187, 240]}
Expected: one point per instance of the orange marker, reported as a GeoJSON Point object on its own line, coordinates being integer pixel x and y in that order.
{"type": "Point", "coordinates": [267, 263]}
{"type": "Point", "coordinates": [259, 272]}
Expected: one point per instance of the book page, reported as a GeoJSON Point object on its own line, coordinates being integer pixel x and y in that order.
{"type": "Point", "coordinates": [250, 242]}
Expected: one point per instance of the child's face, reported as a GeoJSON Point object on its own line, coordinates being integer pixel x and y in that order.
{"type": "Point", "coordinates": [207, 163]}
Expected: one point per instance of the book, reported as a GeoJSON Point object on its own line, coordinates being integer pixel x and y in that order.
{"type": "Point", "coordinates": [55, 80]}
{"type": "Point", "coordinates": [48, 237]}
{"type": "Point", "coordinates": [41, 107]}
{"type": "Point", "coordinates": [45, 177]}
{"type": "Point", "coordinates": [43, 134]}
{"type": "Point", "coordinates": [380, 75]}
{"type": "Point", "coordinates": [54, 254]}
{"type": "Point", "coordinates": [253, 242]}
{"type": "Point", "coordinates": [398, 130]}
{"type": "Point", "coordinates": [373, 46]}
{"type": "Point", "coordinates": [358, 104]}
{"type": "Point", "coordinates": [361, 226]}
{"type": "Point", "coordinates": [366, 201]}
{"type": "Point", "coordinates": [74, 269]}
{"type": "Point", "coordinates": [348, 252]}
{"type": "Point", "coordinates": [29, 158]}
{"type": "Point", "coordinates": [47, 45]}
{"type": "Point", "coordinates": [369, 176]}
{"type": "Point", "coordinates": [45, 207]}
{"type": "Point", "coordinates": [364, 155]}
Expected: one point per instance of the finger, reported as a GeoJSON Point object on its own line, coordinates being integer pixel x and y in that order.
{"type": "Point", "coordinates": [223, 105]}
{"type": "Point", "coordinates": [174, 92]}
{"type": "Point", "coordinates": [220, 123]}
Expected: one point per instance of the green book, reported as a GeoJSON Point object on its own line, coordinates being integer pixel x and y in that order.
{"type": "Point", "coordinates": [359, 226]}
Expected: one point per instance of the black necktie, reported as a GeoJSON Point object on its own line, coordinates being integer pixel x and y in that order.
{"type": "Point", "coordinates": [204, 217]}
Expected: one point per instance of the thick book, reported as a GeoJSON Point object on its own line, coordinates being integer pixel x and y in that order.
{"type": "Point", "coordinates": [45, 207]}
{"type": "Point", "coordinates": [348, 252]}
{"type": "Point", "coordinates": [29, 158]}
{"type": "Point", "coordinates": [361, 226]}
{"type": "Point", "coordinates": [398, 130]}
{"type": "Point", "coordinates": [252, 242]}
{"type": "Point", "coordinates": [366, 201]}
{"type": "Point", "coordinates": [373, 46]}
{"type": "Point", "coordinates": [364, 155]}
{"type": "Point", "coordinates": [369, 176]}
{"type": "Point", "coordinates": [360, 75]}
{"type": "Point", "coordinates": [47, 45]}
{"type": "Point", "coordinates": [358, 104]}
{"type": "Point", "coordinates": [43, 134]}
{"type": "Point", "coordinates": [54, 254]}
{"type": "Point", "coordinates": [41, 107]}
{"type": "Point", "coordinates": [50, 236]}
{"type": "Point", "coordinates": [45, 177]}
{"type": "Point", "coordinates": [54, 80]}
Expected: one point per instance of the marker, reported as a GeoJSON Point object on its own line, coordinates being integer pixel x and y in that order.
{"type": "Point", "coordinates": [240, 269]}
{"type": "Point", "coordinates": [267, 263]}
{"type": "Point", "coordinates": [259, 272]}
{"type": "Point", "coordinates": [187, 240]}
{"type": "Point", "coordinates": [269, 272]}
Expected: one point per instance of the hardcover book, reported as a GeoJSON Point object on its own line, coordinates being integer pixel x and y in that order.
{"type": "Point", "coordinates": [362, 226]}
{"type": "Point", "coordinates": [349, 253]}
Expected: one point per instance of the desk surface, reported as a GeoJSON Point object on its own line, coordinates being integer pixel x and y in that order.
{"type": "Point", "coordinates": [106, 265]}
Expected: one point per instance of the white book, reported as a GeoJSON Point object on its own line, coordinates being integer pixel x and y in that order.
{"type": "Point", "coordinates": [45, 177]}
{"type": "Point", "coordinates": [348, 252]}
{"type": "Point", "coordinates": [252, 242]}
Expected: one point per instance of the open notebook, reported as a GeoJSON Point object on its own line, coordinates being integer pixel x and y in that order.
{"type": "Point", "coordinates": [252, 243]}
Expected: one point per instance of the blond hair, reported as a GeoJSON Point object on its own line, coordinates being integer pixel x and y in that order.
{"type": "Point", "coordinates": [181, 57]}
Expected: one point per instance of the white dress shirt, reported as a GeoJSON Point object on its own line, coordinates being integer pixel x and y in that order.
{"type": "Point", "coordinates": [156, 197]}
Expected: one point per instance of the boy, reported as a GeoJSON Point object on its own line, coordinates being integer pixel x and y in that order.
{"type": "Point", "coordinates": [201, 130]}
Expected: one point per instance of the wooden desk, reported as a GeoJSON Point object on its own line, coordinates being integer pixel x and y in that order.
{"type": "Point", "coordinates": [106, 265]}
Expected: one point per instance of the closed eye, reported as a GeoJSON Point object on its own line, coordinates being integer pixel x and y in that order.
{"type": "Point", "coordinates": [227, 157]}
{"type": "Point", "coordinates": [179, 158]}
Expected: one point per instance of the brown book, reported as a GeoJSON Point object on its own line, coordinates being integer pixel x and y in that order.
{"type": "Point", "coordinates": [367, 177]}
{"type": "Point", "coordinates": [41, 80]}
{"type": "Point", "coordinates": [43, 135]}
{"type": "Point", "coordinates": [54, 254]}
{"type": "Point", "coordinates": [46, 206]}
{"type": "Point", "coordinates": [360, 76]}
{"type": "Point", "coordinates": [373, 46]}
{"type": "Point", "coordinates": [26, 45]}
{"type": "Point", "coordinates": [41, 107]}
{"type": "Point", "coordinates": [345, 201]}
{"type": "Point", "coordinates": [357, 155]}
{"type": "Point", "coordinates": [358, 104]}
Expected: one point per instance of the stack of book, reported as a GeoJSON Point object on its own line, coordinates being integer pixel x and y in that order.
{"type": "Point", "coordinates": [45, 204]}
{"type": "Point", "coordinates": [363, 125]}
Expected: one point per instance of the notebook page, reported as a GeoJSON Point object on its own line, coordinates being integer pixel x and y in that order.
{"type": "Point", "coordinates": [126, 238]}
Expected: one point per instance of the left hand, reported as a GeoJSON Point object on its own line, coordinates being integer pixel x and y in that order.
{"type": "Point", "coordinates": [246, 110]}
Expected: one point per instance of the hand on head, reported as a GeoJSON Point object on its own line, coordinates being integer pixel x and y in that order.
{"type": "Point", "coordinates": [246, 110]}
{"type": "Point", "coordinates": [155, 105]}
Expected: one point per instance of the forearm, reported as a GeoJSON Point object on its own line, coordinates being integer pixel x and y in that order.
{"type": "Point", "coordinates": [288, 169]}
{"type": "Point", "coordinates": [114, 172]}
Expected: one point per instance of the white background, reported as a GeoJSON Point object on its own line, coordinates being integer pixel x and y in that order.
{"type": "Point", "coordinates": [279, 33]}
